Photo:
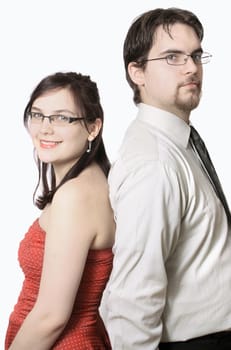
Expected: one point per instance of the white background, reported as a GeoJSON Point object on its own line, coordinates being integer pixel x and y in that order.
{"type": "Point", "coordinates": [41, 37]}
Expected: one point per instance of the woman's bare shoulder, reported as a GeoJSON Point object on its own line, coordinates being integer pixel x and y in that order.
{"type": "Point", "coordinates": [91, 184]}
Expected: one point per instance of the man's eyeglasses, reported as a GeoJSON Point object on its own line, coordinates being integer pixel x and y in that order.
{"type": "Point", "coordinates": [180, 58]}
{"type": "Point", "coordinates": [57, 120]}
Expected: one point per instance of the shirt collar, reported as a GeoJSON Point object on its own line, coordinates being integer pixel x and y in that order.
{"type": "Point", "coordinates": [169, 124]}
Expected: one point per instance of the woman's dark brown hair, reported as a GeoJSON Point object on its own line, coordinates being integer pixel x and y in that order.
{"type": "Point", "coordinates": [87, 100]}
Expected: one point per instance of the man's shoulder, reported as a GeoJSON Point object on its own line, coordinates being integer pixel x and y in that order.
{"type": "Point", "coordinates": [145, 149]}
{"type": "Point", "coordinates": [143, 143]}
{"type": "Point", "coordinates": [138, 153]}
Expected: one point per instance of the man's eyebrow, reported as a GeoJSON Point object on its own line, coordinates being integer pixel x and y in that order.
{"type": "Point", "coordinates": [168, 51]}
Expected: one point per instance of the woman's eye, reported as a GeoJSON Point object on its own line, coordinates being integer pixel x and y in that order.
{"type": "Point", "coordinates": [62, 118]}
{"type": "Point", "coordinates": [36, 115]}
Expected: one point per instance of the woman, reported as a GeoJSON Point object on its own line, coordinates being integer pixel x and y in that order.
{"type": "Point", "coordinates": [66, 254]}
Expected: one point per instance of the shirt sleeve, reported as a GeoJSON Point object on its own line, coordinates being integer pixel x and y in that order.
{"type": "Point", "coordinates": [146, 203]}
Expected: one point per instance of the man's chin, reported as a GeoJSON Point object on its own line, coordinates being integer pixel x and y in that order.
{"type": "Point", "coordinates": [189, 105]}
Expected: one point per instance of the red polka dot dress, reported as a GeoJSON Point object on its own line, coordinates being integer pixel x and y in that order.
{"type": "Point", "coordinates": [85, 329]}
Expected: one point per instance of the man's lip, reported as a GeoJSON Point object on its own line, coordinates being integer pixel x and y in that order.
{"type": "Point", "coordinates": [193, 82]}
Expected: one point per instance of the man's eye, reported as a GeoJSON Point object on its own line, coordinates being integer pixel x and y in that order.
{"type": "Point", "coordinates": [172, 57]}
{"type": "Point", "coordinates": [197, 57]}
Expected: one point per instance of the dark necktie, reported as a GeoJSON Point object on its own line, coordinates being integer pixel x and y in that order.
{"type": "Point", "coordinates": [206, 160]}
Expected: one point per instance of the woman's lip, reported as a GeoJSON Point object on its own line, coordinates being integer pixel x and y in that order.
{"type": "Point", "coordinates": [49, 144]}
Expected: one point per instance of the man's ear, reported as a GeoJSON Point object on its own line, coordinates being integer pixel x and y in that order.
{"type": "Point", "coordinates": [136, 73]}
{"type": "Point", "coordinates": [94, 129]}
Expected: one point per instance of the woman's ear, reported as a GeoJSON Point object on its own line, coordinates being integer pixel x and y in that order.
{"type": "Point", "coordinates": [136, 73]}
{"type": "Point", "coordinates": [94, 129]}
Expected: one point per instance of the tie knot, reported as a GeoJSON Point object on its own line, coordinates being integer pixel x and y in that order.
{"type": "Point", "coordinates": [196, 139]}
{"type": "Point", "coordinates": [194, 134]}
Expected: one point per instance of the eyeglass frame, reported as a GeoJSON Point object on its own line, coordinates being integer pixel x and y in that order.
{"type": "Point", "coordinates": [192, 55]}
{"type": "Point", "coordinates": [49, 117]}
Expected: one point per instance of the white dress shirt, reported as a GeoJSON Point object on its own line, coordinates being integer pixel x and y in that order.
{"type": "Point", "coordinates": [171, 277]}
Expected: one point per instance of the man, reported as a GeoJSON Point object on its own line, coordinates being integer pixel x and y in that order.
{"type": "Point", "coordinates": [170, 287]}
